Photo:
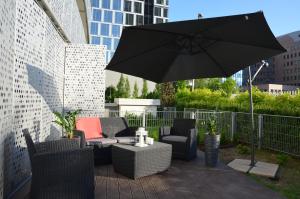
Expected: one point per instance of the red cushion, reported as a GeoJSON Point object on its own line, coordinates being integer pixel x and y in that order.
{"type": "Point", "coordinates": [90, 126]}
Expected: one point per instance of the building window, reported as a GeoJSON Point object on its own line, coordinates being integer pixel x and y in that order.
{"type": "Point", "coordinates": [95, 40]}
{"type": "Point", "coordinates": [139, 20]}
{"type": "Point", "coordinates": [137, 7]}
{"type": "Point", "coordinates": [157, 11]}
{"type": "Point", "coordinates": [160, 2]}
{"type": "Point", "coordinates": [107, 56]}
{"type": "Point", "coordinates": [129, 19]}
{"type": "Point", "coordinates": [95, 3]}
{"type": "Point", "coordinates": [117, 4]}
{"type": "Point", "coordinates": [96, 15]}
{"type": "Point", "coordinates": [106, 4]}
{"type": "Point", "coordinates": [116, 43]}
{"type": "Point", "coordinates": [118, 18]}
{"type": "Point", "coordinates": [107, 43]}
{"type": "Point", "coordinates": [127, 6]}
{"type": "Point", "coordinates": [116, 31]}
{"type": "Point", "coordinates": [105, 29]}
{"type": "Point", "coordinates": [165, 12]}
{"type": "Point", "coordinates": [107, 16]}
{"type": "Point", "coordinates": [167, 2]}
{"type": "Point", "coordinates": [94, 28]}
{"type": "Point", "coordinates": [159, 20]}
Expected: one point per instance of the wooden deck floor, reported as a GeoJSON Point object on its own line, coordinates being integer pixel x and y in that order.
{"type": "Point", "coordinates": [184, 180]}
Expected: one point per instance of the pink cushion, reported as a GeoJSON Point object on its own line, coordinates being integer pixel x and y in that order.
{"type": "Point", "coordinates": [90, 126]}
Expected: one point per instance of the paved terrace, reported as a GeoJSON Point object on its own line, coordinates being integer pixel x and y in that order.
{"type": "Point", "coordinates": [183, 180]}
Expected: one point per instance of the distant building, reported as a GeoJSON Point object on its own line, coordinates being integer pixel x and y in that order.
{"type": "Point", "coordinates": [108, 19]}
{"type": "Point", "coordinates": [283, 68]}
{"type": "Point", "coordinates": [237, 77]}
{"type": "Point", "coordinates": [265, 76]}
{"type": "Point", "coordinates": [277, 89]}
{"type": "Point", "coordinates": [287, 65]}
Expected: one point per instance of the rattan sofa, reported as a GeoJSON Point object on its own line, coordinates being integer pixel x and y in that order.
{"type": "Point", "coordinates": [60, 169]}
{"type": "Point", "coordinates": [183, 138]}
{"type": "Point", "coordinates": [113, 130]}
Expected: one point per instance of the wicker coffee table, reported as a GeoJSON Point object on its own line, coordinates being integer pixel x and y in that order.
{"type": "Point", "coordinates": [135, 162]}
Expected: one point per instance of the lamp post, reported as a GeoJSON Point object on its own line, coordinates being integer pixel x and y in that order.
{"type": "Point", "coordinates": [251, 79]}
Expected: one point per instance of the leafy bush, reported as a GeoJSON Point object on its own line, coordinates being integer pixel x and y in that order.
{"type": "Point", "coordinates": [282, 159]}
{"type": "Point", "coordinates": [264, 103]}
{"type": "Point", "coordinates": [243, 149]}
{"type": "Point", "coordinates": [153, 133]}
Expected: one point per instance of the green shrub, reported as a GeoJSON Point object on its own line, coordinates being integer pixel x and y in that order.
{"type": "Point", "coordinates": [243, 149]}
{"type": "Point", "coordinates": [265, 103]}
{"type": "Point", "coordinates": [153, 133]}
{"type": "Point", "coordinates": [282, 159]}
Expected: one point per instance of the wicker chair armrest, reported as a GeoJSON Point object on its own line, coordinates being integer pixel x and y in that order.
{"type": "Point", "coordinates": [164, 131]}
{"type": "Point", "coordinates": [63, 166]}
{"type": "Point", "coordinates": [80, 134]}
{"type": "Point", "coordinates": [57, 145]}
{"type": "Point", "coordinates": [192, 135]}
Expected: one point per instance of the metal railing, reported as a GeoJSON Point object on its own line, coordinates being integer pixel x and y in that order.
{"type": "Point", "coordinates": [273, 132]}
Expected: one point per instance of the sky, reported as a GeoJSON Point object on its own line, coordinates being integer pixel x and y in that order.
{"type": "Point", "coordinates": [283, 16]}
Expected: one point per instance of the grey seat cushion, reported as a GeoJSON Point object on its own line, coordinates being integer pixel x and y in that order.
{"type": "Point", "coordinates": [174, 138]}
{"type": "Point", "coordinates": [125, 139]}
{"type": "Point", "coordinates": [100, 142]}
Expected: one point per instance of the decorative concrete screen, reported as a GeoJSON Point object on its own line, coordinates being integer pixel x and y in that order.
{"type": "Point", "coordinates": [7, 25]}
{"type": "Point", "coordinates": [84, 81]}
{"type": "Point", "coordinates": [32, 63]}
{"type": "Point", "coordinates": [68, 16]}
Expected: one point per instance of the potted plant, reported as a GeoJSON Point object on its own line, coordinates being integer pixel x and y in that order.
{"type": "Point", "coordinates": [67, 121]}
{"type": "Point", "coordinates": [212, 142]}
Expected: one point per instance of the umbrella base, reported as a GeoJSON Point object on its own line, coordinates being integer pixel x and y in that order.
{"type": "Point", "coordinates": [261, 168]}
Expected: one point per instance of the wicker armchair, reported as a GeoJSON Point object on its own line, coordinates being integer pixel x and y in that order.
{"type": "Point", "coordinates": [60, 169]}
{"type": "Point", "coordinates": [183, 138]}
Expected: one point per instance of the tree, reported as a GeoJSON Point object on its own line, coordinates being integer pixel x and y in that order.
{"type": "Point", "coordinates": [180, 85]}
{"type": "Point", "coordinates": [144, 89]}
{"type": "Point", "coordinates": [167, 97]}
{"type": "Point", "coordinates": [201, 83]}
{"type": "Point", "coordinates": [214, 84]}
{"type": "Point", "coordinates": [121, 88]}
{"type": "Point", "coordinates": [127, 88]}
{"type": "Point", "coordinates": [135, 93]}
{"type": "Point", "coordinates": [110, 94]}
{"type": "Point", "coordinates": [155, 94]}
{"type": "Point", "coordinates": [229, 86]}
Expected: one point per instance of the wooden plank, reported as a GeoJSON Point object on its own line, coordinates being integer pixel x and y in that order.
{"type": "Point", "coordinates": [101, 175]}
{"type": "Point", "coordinates": [112, 184]}
{"type": "Point", "coordinates": [148, 187]}
{"type": "Point", "coordinates": [136, 189]}
{"type": "Point", "coordinates": [124, 187]}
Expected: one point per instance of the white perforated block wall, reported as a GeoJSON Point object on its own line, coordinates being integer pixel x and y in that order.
{"type": "Point", "coordinates": [84, 79]}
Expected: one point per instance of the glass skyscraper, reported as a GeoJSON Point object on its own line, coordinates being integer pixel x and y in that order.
{"type": "Point", "coordinates": [110, 16]}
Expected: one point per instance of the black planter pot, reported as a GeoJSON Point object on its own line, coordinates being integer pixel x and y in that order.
{"type": "Point", "coordinates": [212, 143]}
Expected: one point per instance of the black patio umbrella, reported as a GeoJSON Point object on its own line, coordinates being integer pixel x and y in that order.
{"type": "Point", "coordinates": [202, 48]}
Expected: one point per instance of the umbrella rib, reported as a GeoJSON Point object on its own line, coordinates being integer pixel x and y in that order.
{"type": "Point", "coordinates": [236, 42]}
{"type": "Point", "coordinates": [142, 53]}
{"type": "Point", "coordinates": [214, 60]}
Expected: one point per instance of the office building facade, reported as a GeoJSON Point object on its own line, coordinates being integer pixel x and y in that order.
{"type": "Point", "coordinates": [108, 19]}
{"type": "Point", "coordinates": [284, 68]}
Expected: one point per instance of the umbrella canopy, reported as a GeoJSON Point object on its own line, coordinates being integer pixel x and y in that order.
{"type": "Point", "coordinates": [202, 48]}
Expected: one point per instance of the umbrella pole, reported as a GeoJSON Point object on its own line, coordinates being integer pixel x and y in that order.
{"type": "Point", "coordinates": [251, 79]}
{"type": "Point", "coordinates": [252, 164]}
